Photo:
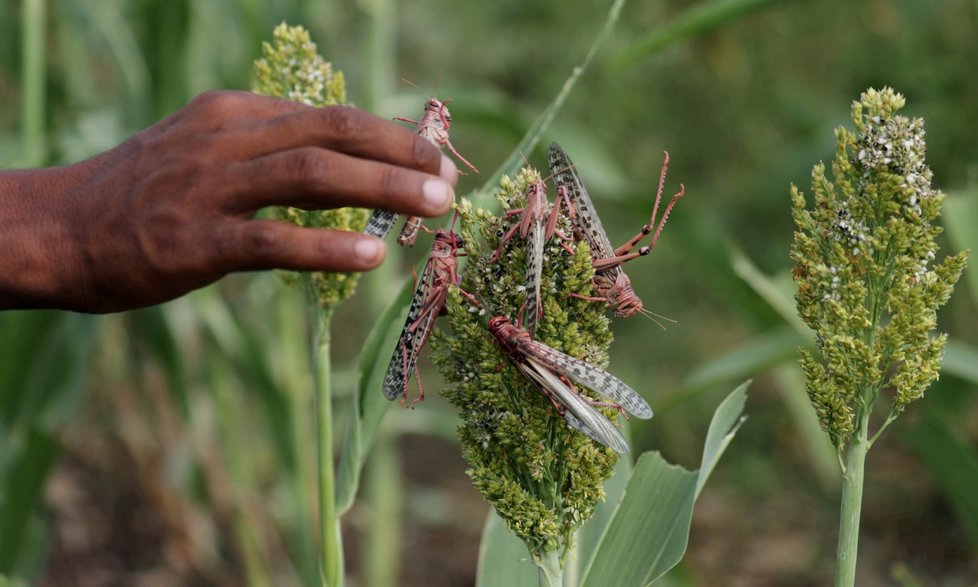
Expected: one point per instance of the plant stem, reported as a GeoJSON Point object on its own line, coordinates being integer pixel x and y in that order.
{"type": "Point", "coordinates": [852, 501]}
{"type": "Point", "coordinates": [331, 552]}
{"type": "Point", "coordinates": [33, 19]}
{"type": "Point", "coordinates": [550, 572]}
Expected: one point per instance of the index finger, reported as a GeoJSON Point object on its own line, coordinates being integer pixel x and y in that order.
{"type": "Point", "coordinates": [347, 130]}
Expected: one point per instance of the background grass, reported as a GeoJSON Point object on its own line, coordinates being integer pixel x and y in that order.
{"type": "Point", "coordinates": [172, 441]}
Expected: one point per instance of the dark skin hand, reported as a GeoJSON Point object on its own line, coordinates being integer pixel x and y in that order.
{"type": "Point", "coordinates": [172, 209]}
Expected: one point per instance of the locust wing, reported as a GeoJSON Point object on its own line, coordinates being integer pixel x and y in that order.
{"type": "Point", "coordinates": [417, 328]}
{"type": "Point", "coordinates": [586, 223]}
{"type": "Point", "coordinates": [578, 413]}
{"type": "Point", "coordinates": [534, 269]}
{"type": "Point", "coordinates": [380, 223]}
{"type": "Point", "coordinates": [589, 376]}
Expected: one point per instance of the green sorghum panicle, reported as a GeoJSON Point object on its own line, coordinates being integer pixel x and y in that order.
{"type": "Point", "coordinates": [542, 478]}
{"type": "Point", "coordinates": [865, 257]}
{"type": "Point", "coordinates": [290, 68]}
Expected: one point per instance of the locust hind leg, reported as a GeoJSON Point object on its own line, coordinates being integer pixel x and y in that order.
{"type": "Point", "coordinates": [420, 398]}
{"type": "Point", "coordinates": [451, 148]}
{"type": "Point", "coordinates": [407, 375]}
{"type": "Point", "coordinates": [622, 253]}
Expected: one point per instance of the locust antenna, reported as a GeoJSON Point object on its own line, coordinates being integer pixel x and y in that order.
{"type": "Point", "coordinates": [657, 317]}
{"type": "Point", "coordinates": [415, 86]}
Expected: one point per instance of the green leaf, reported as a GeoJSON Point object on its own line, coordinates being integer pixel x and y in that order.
{"type": "Point", "coordinates": [650, 530]}
{"type": "Point", "coordinates": [503, 558]}
{"type": "Point", "coordinates": [961, 360]}
{"type": "Point", "coordinates": [8, 582]}
{"type": "Point", "coordinates": [42, 375]}
{"type": "Point", "coordinates": [21, 336]}
{"type": "Point", "coordinates": [369, 404]}
{"type": "Point", "coordinates": [246, 346]}
{"type": "Point", "coordinates": [702, 17]}
{"type": "Point", "coordinates": [647, 537]}
{"type": "Point", "coordinates": [822, 456]}
{"type": "Point", "coordinates": [726, 421]}
{"type": "Point", "coordinates": [954, 464]}
{"type": "Point", "coordinates": [757, 354]}
{"type": "Point", "coordinates": [44, 361]}
{"type": "Point", "coordinates": [20, 491]}
{"type": "Point", "coordinates": [589, 537]}
{"type": "Point", "coordinates": [779, 291]}
{"type": "Point", "coordinates": [960, 217]}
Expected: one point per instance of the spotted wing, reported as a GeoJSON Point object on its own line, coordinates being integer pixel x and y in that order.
{"type": "Point", "coordinates": [534, 269]}
{"type": "Point", "coordinates": [578, 413]}
{"type": "Point", "coordinates": [409, 232]}
{"type": "Point", "coordinates": [586, 223]}
{"type": "Point", "coordinates": [380, 223]}
{"type": "Point", "coordinates": [414, 335]}
{"type": "Point", "coordinates": [589, 376]}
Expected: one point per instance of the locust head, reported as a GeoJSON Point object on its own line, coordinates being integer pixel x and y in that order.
{"type": "Point", "coordinates": [622, 299]}
{"type": "Point", "coordinates": [497, 324]}
{"type": "Point", "coordinates": [440, 111]}
{"type": "Point", "coordinates": [447, 241]}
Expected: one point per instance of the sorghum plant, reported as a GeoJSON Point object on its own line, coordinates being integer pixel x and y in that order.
{"type": "Point", "coordinates": [290, 68]}
{"type": "Point", "coordinates": [869, 286]}
{"type": "Point", "coordinates": [542, 477]}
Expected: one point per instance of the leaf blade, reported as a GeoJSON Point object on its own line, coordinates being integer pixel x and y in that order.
{"type": "Point", "coordinates": [650, 530]}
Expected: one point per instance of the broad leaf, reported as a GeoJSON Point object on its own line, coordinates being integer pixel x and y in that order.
{"type": "Point", "coordinates": [960, 218]}
{"type": "Point", "coordinates": [649, 520]}
{"type": "Point", "coordinates": [503, 558]}
{"type": "Point", "coordinates": [369, 404]}
{"type": "Point", "coordinates": [650, 530]}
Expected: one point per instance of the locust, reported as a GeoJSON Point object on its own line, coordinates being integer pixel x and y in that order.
{"type": "Point", "coordinates": [537, 225]}
{"type": "Point", "coordinates": [552, 371]}
{"type": "Point", "coordinates": [433, 126]}
{"type": "Point", "coordinates": [610, 281]}
{"type": "Point", "coordinates": [439, 273]}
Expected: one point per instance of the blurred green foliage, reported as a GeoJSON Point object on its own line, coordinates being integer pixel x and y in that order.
{"type": "Point", "coordinates": [744, 109]}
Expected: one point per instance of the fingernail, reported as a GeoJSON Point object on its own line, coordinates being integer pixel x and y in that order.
{"type": "Point", "coordinates": [368, 250]}
{"type": "Point", "coordinates": [437, 193]}
{"type": "Point", "coordinates": [448, 171]}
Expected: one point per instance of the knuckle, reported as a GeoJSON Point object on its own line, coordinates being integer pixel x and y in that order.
{"type": "Point", "coordinates": [218, 100]}
{"type": "Point", "coordinates": [218, 106]}
{"type": "Point", "coordinates": [424, 155]}
{"type": "Point", "coordinates": [307, 166]}
{"type": "Point", "coordinates": [391, 183]}
{"type": "Point", "coordinates": [345, 123]}
{"type": "Point", "coordinates": [261, 241]}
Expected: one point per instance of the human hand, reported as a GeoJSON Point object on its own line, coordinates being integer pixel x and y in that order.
{"type": "Point", "coordinates": [172, 209]}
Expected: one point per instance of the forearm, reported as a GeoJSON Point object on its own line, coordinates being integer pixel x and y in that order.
{"type": "Point", "coordinates": [38, 266]}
